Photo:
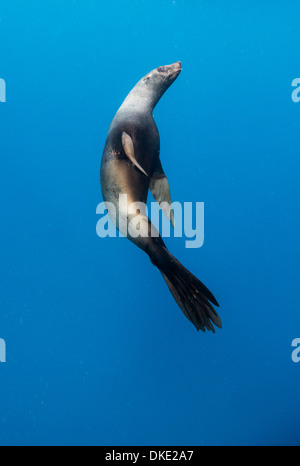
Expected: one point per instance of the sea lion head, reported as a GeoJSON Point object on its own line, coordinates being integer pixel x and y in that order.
{"type": "Point", "coordinates": [160, 79]}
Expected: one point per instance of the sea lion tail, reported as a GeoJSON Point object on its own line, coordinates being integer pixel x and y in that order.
{"type": "Point", "coordinates": [193, 298]}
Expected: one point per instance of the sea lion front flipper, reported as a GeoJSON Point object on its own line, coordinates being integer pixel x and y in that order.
{"type": "Point", "coordinates": [160, 189]}
{"type": "Point", "coordinates": [129, 151]}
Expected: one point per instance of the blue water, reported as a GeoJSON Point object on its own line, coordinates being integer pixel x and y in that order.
{"type": "Point", "coordinates": [98, 353]}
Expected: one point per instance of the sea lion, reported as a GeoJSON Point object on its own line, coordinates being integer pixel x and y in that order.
{"type": "Point", "coordinates": [131, 165]}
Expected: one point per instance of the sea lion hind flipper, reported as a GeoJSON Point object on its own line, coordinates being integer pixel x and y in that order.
{"type": "Point", "coordinates": [193, 298]}
{"type": "Point", "coordinates": [160, 189]}
{"type": "Point", "coordinates": [129, 151]}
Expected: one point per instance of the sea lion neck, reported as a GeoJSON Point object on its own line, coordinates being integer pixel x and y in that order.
{"type": "Point", "coordinates": [150, 89]}
{"type": "Point", "coordinates": [141, 99]}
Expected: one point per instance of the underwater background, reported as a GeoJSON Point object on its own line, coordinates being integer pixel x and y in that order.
{"type": "Point", "coordinates": [98, 352]}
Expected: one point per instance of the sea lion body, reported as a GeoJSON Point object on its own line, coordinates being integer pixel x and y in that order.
{"type": "Point", "coordinates": [131, 165]}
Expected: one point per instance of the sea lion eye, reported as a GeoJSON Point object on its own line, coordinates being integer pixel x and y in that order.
{"type": "Point", "coordinates": [162, 69]}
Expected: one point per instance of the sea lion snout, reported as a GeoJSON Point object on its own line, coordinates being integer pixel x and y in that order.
{"type": "Point", "coordinates": [170, 72]}
{"type": "Point", "coordinates": [175, 69]}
